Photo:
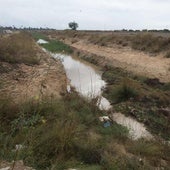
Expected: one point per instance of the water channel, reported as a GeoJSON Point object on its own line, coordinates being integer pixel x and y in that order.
{"type": "Point", "coordinates": [87, 80]}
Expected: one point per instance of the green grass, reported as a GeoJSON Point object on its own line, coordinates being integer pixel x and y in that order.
{"type": "Point", "coordinates": [66, 133]}
{"type": "Point", "coordinates": [53, 46]}
{"type": "Point", "coordinates": [38, 35]}
{"type": "Point", "coordinates": [57, 47]}
{"type": "Point", "coordinates": [114, 131]}
{"type": "Point", "coordinates": [146, 148]}
{"type": "Point", "coordinates": [66, 123]}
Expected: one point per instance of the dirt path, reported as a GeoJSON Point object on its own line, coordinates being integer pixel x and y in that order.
{"type": "Point", "coordinates": [135, 61]}
{"type": "Point", "coordinates": [23, 82]}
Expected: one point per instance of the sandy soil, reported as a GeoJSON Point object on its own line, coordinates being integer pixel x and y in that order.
{"type": "Point", "coordinates": [23, 82]}
{"type": "Point", "coordinates": [124, 57]}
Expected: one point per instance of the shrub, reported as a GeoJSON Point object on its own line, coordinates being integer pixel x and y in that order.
{"type": "Point", "coordinates": [124, 92]}
{"type": "Point", "coordinates": [38, 35]}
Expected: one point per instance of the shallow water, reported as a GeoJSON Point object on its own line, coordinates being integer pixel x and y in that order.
{"type": "Point", "coordinates": [87, 81]}
{"type": "Point", "coordinates": [136, 129]}
{"type": "Point", "coordinates": [41, 41]}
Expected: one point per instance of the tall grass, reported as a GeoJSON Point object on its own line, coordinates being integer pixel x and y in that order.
{"type": "Point", "coordinates": [65, 133]}
{"type": "Point", "coordinates": [148, 42]}
{"type": "Point", "coordinates": [18, 48]}
{"type": "Point", "coordinates": [64, 122]}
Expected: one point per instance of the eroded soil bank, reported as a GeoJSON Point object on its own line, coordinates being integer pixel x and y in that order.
{"type": "Point", "coordinates": [22, 82]}
{"type": "Point", "coordinates": [135, 61]}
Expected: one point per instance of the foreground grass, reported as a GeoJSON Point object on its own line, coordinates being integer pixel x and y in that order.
{"type": "Point", "coordinates": [18, 48]}
{"type": "Point", "coordinates": [65, 133]}
{"type": "Point", "coordinates": [56, 133]}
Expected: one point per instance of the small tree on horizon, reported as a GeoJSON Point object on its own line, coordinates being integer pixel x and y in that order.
{"type": "Point", "coordinates": [73, 25]}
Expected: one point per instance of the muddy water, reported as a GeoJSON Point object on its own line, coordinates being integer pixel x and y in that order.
{"type": "Point", "coordinates": [88, 82]}
{"type": "Point", "coordinates": [136, 129]}
{"type": "Point", "coordinates": [85, 78]}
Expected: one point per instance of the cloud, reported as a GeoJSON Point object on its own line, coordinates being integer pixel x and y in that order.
{"type": "Point", "coordinates": [96, 14]}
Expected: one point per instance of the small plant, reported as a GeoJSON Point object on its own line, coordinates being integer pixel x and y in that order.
{"type": "Point", "coordinates": [124, 92]}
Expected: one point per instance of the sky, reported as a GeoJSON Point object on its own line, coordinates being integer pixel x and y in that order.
{"type": "Point", "coordinates": [89, 14]}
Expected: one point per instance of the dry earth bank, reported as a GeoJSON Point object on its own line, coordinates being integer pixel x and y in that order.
{"type": "Point", "coordinates": [151, 65]}
{"type": "Point", "coordinates": [21, 81]}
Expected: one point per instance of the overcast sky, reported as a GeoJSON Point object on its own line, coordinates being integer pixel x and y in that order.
{"type": "Point", "coordinates": [89, 14]}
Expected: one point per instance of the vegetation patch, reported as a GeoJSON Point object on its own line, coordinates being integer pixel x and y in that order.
{"type": "Point", "coordinates": [53, 46]}
{"type": "Point", "coordinates": [52, 131]}
{"type": "Point", "coordinates": [149, 43]}
{"type": "Point", "coordinates": [139, 97]}
{"type": "Point", "coordinates": [18, 48]}
{"type": "Point", "coordinates": [57, 47]}
{"type": "Point", "coordinates": [39, 35]}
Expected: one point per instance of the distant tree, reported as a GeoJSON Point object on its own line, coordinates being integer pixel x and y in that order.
{"type": "Point", "coordinates": [73, 25]}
